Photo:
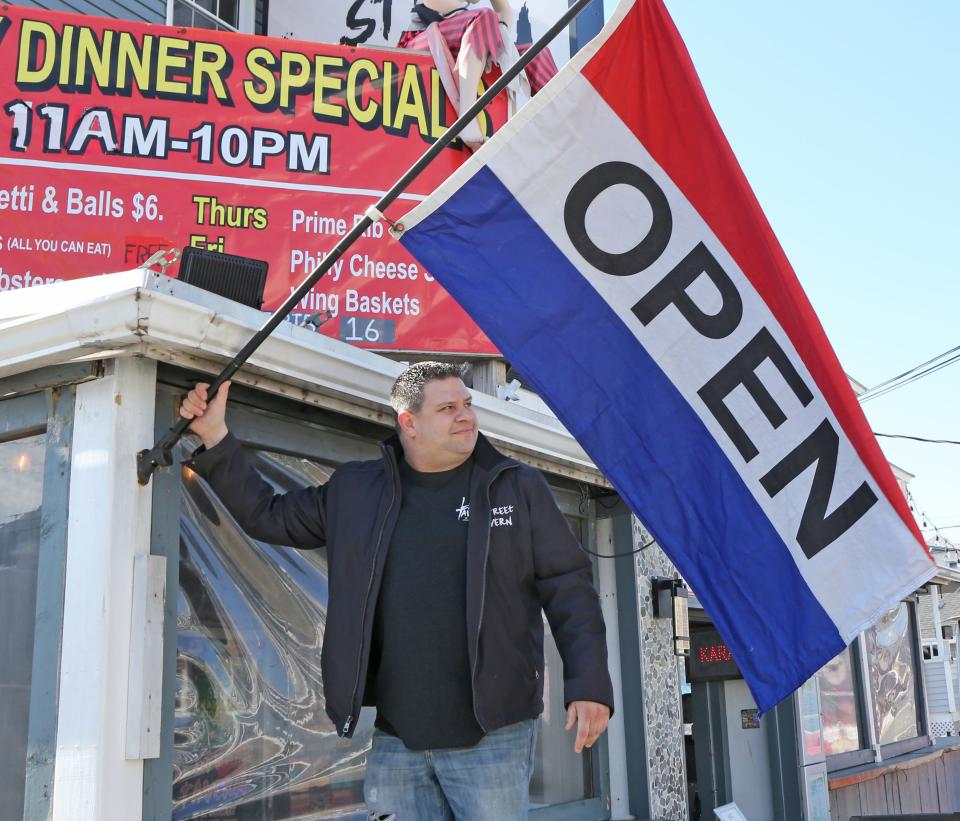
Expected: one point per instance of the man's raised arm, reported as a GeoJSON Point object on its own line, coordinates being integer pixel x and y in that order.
{"type": "Point", "coordinates": [296, 518]}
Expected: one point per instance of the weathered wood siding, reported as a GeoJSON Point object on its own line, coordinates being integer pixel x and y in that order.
{"type": "Point", "coordinates": [926, 787]}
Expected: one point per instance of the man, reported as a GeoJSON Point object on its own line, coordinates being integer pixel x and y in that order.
{"type": "Point", "coordinates": [441, 555]}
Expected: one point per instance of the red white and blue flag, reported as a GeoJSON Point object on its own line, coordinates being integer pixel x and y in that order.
{"type": "Point", "coordinates": [608, 243]}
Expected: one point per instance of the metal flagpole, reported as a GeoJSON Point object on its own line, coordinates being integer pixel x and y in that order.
{"type": "Point", "coordinates": [160, 454]}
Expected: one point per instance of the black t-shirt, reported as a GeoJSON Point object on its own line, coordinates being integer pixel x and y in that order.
{"type": "Point", "coordinates": [424, 694]}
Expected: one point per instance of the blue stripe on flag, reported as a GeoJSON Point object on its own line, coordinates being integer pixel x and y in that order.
{"type": "Point", "coordinates": [551, 324]}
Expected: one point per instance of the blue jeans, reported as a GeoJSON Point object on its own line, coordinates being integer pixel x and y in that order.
{"type": "Point", "coordinates": [487, 782]}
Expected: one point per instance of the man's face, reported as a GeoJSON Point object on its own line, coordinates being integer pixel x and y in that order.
{"type": "Point", "coordinates": [444, 432]}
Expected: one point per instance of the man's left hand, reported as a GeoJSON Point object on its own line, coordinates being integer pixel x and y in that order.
{"type": "Point", "coordinates": [591, 719]}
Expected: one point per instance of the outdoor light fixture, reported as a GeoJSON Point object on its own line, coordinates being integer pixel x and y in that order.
{"type": "Point", "coordinates": [238, 278]}
{"type": "Point", "coordinates": [670, 602]}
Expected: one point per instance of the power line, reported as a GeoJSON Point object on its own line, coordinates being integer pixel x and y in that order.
{"type": "Point", "coordinates": [912, 375]}
{"type": "Point", "coordinates": [915, 368]}
{"type": "Point", "coordinates": [918, 438]}
{"type": "Point", "coordinates": [873, 394]}
{"type": "Point", "coordinates": [914, 378]}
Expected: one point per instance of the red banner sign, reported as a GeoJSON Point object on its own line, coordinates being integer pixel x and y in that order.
{"type": "Point", "coordinates": [119, 139]}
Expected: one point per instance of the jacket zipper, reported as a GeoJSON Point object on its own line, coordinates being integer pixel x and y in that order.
{"type": "Point", "coordinates": [363, 622]}
{"type": "Point", "coordinates": [483, 596]}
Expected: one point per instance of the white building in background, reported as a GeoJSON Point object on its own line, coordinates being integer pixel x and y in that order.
{"type": "Point", "coordinates": [939, 617]}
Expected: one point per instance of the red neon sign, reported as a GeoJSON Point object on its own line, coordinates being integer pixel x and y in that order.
{"type": "Point", "coordinates": [714, 654]}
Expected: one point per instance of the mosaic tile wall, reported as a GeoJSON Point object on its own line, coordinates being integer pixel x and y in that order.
{"type": "Point", "coordinates": [661, 690]}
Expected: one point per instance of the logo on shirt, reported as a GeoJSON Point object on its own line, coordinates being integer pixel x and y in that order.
{"type": "Point", "coordinates": [501, 516]}
{"type": "Point", "coordinates": [463, 512]}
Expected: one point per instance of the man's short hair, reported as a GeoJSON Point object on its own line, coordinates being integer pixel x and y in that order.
{"type": "Point", "coordinates": [407, 391]}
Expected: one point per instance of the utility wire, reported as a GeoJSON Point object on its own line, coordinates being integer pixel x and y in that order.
{"type": "Point", "coordinates": [618, 555]}
{"type": "Point", "coordinates": [915, 368]}
{"type": "Point", "coordinates": [914, 378]}
{"type": "Point", "coordinates": [918, 438]}
{"type": "Point", "coordinates": [912, 375]}
{"type": "Point", "coordinates": [584, 502]}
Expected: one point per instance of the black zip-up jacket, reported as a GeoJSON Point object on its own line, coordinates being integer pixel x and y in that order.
{"type": "Point", "coordinates": [521, 557]}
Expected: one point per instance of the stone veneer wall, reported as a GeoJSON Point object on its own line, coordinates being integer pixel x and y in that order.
{"type": "Point", "coordinates": [661, 689]}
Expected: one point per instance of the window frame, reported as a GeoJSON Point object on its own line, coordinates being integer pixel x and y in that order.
{"type": "Point", "coordinates": [933, 646]}
{"type": "Point", "coordinates": [246, 15]}
{"type": "Point", "coordinates": [863, 755]}
{"type": "Point", "coordinates": [42, 403]}
{"type": "Point", "coordinates": [872, 751]}
{"type": "Point", "coordinates": [922, 739]}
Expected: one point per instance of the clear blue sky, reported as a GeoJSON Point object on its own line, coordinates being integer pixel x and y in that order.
{"type": "Point", "coordinates": [845, 117]}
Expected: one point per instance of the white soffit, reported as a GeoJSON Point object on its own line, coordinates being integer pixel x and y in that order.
{"type": "Point", "coordinates": [147, 314]}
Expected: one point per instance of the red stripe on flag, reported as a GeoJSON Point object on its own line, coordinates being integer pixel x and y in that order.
{"type": "Point", "coordinates": [644, 73]}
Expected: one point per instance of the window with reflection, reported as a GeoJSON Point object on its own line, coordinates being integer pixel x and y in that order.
{"type": "Point", "coordinates": [21, 497]}
{"type": "Point", "coordinates": [839, 705]}
{"type": "Point", "coordinates": [890, 672]}
{"type": "Point", "coordinates": [892, 675]}
{"type": "Point", "coordinates": [252, 739]}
